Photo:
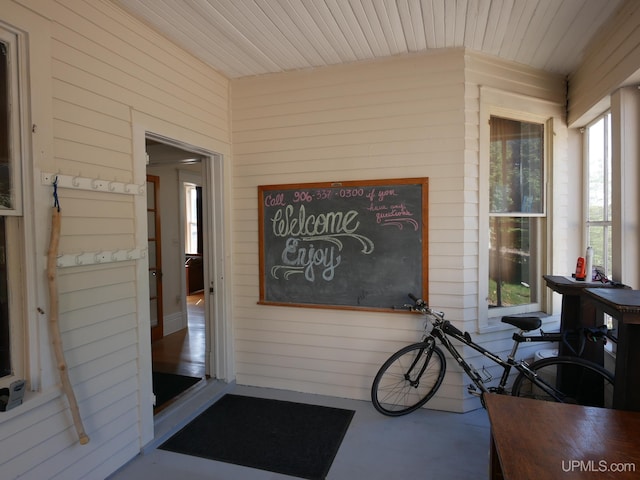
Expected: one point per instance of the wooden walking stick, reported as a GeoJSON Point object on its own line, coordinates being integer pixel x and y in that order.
{"type": "Point", "coordinates": [52, 256]}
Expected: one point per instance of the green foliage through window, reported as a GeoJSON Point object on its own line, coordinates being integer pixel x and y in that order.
{"type": "Point", "coordinates": [5, 166]}
{"type": "Point", "coordinates": [516, 196]}
{"type": "Point", "coordinates": [516, 170]}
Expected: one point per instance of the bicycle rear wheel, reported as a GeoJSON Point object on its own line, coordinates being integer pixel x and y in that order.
{"type": "Point", "coordinates": [567, 380]}
{"type": "Point", "coordinates": [408, 379]}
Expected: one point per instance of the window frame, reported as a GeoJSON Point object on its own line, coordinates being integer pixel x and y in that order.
{"type": "Point", "coordinates": [190, 212]}
{"type": "Point", "coordinates": [526, 109]}
{"type": "Point", "coordinates": [20, 234]}
{"type": "Point", "coordinates": [14, 255]}
{"type": "Point", "coordinates": [11, 40]}
{"type": "Point", "coordinates": [607, 223]}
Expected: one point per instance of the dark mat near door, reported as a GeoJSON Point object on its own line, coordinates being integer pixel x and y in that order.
{"type": "Point", "coordinates": [285, 437]}
{"type": "Point", "coordinates": [167, 386]}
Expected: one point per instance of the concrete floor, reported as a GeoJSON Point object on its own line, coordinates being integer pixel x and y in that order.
{"type": "Point", "coordinates": [423, 444]}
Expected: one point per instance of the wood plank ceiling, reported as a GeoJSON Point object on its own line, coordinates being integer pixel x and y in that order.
{"type": "Point", "coordinates": [253, 37]}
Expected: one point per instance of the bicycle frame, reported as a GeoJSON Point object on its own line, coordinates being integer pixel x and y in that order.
{"type": "Point", "coordinates": [443, 328]}
{"type": "Point", "coordinates": [399, 388]}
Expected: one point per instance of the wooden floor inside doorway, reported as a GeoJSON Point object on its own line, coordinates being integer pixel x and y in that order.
{"type": "Point", "coordinates": [183, 352]}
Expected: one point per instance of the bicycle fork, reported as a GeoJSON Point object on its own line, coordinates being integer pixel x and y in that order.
{"type": "Point", "coordinates": [428, 352]}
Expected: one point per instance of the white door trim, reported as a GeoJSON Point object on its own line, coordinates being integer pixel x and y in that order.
{"type": "Point", "coordinates": [217, 226]}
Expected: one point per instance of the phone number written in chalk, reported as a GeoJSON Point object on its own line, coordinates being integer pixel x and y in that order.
{"type": "Point", "coordinates": [278, 200]}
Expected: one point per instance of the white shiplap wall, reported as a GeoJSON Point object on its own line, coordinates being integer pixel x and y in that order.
{"type": "Point", "coordinates": [610, 62]}
{"type": "Point", "coordinates": [106, 69]}
{"type": "Point", "coordinates": [389, 119]}
{"type": "Point", "coordinates": [402, 117]}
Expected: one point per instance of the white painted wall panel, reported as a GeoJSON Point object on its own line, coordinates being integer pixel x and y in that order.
{"type": "Point", "coordinates": [404, 117]}
{"type": "Point", "coordinates": [611, 61]}
{"type": "Point", "coordinates": [103, 69]}
{"type": "Point", "coordinates": [398, 118]}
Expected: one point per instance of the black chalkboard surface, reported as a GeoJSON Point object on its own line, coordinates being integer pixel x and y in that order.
{"type": "Point", "coordinates": [344, 245]}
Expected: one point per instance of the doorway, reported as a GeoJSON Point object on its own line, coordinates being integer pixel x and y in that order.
{"type": "Point", "coordinates": [176, 272]}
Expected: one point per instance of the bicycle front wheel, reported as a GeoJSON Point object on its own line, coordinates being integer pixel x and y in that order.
{"type": "Point", "coordinates": [408, 379]}
{"type": "Point", "coordinates": [567, 380]}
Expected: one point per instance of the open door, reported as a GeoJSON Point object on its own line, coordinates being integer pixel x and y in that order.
{"type": "Point", "coordinates": [155, 259]}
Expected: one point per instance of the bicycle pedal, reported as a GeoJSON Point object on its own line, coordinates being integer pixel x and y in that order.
{"type": "Point", "coordinates": [473, 390]}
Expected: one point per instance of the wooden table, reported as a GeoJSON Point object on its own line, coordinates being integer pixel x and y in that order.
{"type": "Point", "coordinates": [537, 440]}
{"type": "Point", "coordinates": [624, 306]}
{"type": "Point", "coordinates": [575, 313]}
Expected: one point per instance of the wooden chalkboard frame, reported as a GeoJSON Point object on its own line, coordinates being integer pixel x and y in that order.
{"type": "Point", "coordinates": [273, 196]}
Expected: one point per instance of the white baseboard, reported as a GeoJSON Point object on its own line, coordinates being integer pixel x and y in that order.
{"type": "Point", "coordinates": [174, 322]}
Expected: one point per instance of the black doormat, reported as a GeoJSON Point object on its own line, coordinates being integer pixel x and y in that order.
{"type": "Point", "coordinates": [285, 437]}
{"type": "Point", "coordinates": [167, 386]}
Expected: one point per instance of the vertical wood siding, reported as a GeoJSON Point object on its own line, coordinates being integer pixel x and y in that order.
{"type": "Point", "coordinates": [104, 65]}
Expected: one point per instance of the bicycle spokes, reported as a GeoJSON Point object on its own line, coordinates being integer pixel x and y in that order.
{"type": "Point", "coordinates": [408, 379]}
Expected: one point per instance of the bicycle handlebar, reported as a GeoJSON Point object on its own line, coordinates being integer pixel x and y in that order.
{"type": "Point", "coordinates": [421, 306]}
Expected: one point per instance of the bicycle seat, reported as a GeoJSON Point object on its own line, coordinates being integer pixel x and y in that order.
{"type": "Point", "coordinates": [523, 323]}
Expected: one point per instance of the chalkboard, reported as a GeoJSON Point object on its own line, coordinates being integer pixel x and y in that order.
{"type": "Point", "coordinates": [357, 244]}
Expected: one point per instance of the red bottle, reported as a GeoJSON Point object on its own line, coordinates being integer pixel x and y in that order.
{"type": "Point", "coordinates": [581, 273]}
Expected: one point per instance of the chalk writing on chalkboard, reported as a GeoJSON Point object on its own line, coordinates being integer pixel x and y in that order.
{"type": "Point", "coordinates": [347, 245]}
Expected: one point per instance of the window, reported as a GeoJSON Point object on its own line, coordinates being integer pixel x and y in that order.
{"type": "Point", "coordinates": [11, 240]}
{"type": "Point", "coordinates": [598, 223]}
{"type": "Point", "coordinates": [192, 201]}
{"type": "Point", "coordinates": [10, 191]}
{"type": "Point", "coordinates": [598, 191]}
{"type": "Point", "coordinates": [516, 211]}
{"type": "Point", "coordinates": [5, 338]}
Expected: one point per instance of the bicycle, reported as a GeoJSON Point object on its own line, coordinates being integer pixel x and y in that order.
{"type": "Point", "coordinates": [412, 375]}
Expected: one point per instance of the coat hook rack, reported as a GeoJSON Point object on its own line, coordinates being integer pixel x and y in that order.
{"type": "Point", "coordinates": [102, 256]}
{"type": "Point", "coordinates": [93, 184]}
